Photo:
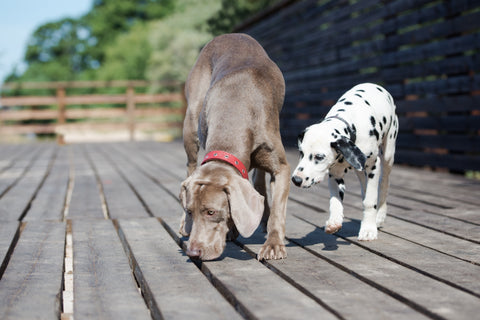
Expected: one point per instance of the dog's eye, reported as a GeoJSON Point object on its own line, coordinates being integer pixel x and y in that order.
{"type": "Point", "coordinates": [211, 212]}
{"type": "Point", "coordinates": [319, 157]}
{"type": "Point", "coordinates": [188, 211]}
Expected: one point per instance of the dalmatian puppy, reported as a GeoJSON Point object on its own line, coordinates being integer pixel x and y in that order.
{"type": "Point", "coordinates": [359, 132]}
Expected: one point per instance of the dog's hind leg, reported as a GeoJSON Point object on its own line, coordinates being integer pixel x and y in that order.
{"type": "Point", "coordinates": [387, 156]}
{"type": "Point", "coordinates": [337, 191]}
{"type": "Point", "coordinates": [368, 227]}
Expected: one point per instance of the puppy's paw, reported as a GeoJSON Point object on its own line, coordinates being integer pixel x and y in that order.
{"type": "Point", "coordinates": [272, 250]}
{"type": "Point", "coordinates": [332, 226]}
{"type": "Point", "coordinates": [368, 232]}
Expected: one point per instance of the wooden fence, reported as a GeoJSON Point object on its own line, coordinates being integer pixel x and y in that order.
{"type": "Point", "coordinates": [128, 113]}
{"type": "Point", "coordinates": [425, 52]}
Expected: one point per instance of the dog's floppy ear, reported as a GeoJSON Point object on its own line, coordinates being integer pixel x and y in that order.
{"type": "Point", "coordinates": [350, 152]}
{"type": "Point", "coordinates": [187, 221]}
{"type": "Point", "coordinates": [301, 135]}
{"type": "Point", "coordinates": [246, 205]}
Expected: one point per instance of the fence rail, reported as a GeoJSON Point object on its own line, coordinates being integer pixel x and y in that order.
{"type": "Point", "coordinates": [19, 114]}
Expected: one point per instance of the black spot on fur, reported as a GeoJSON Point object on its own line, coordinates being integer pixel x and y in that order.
{"type": "Point", "coordinates": [345, 130]}
{"type": "Point", "coordinates": [374, 167]}
{"type": "Point", "coordinates": [353, 127]}
{"type": "Point", "coordinates": [375, 133]}
{"type": "Point", "coordinates": [371, 175]}
{"type": "Point", "coordinates": [341, 194]}
{"type": "Point", "coordinates": [384, 120]}
{"type": "Point", "coordinates": [361, 90]}
{"type": "Point", "coordinates": [379, 89]}
{"type": "Point", "coordinates": [375, 206]}
{"type": "Point", "coordinates": [372, 120]}
{"type": "Point", "coordinates": [358, 95]}
{"type": "Point", "coordinates": [367, 102]}
{"type": "Point", "coordinates": [348, 103]}
{"type": "Point", "coordinates": [338, 132]}
{"type": "Point", "coordinates": [310, 157]}
{"type": "Point", "coordinates": [340, 110]}
{"type": "Point", "coordinates": [346, 170]}
{"type": "Point", "coordinates": [341, 100]}
{"type": "Point", "coordinates": [381, 125]}
{"type": "Point", "coordinates": [339, 181]}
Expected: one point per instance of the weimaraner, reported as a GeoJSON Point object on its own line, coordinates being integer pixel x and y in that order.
{"type": "Point", "coordinates": [234, 94]}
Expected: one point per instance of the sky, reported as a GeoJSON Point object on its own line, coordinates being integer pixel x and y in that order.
{"type": "Point", "coordinates": [20, 18]}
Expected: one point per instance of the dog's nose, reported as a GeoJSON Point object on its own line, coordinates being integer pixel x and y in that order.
{"type": "Point", "coordinates": [194, 250]}
{"type": "Point", "coordinates": [297, 180]}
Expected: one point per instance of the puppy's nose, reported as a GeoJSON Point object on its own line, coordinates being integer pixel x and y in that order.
{"type": "Point", "coordinates": [297, 180]}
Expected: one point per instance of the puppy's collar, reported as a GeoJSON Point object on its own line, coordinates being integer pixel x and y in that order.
{"type": "Point", "coordinates": [351, 131]}
{"type": "Point", "coordinates": [226, 157]}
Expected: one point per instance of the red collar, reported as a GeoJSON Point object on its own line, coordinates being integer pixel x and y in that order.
{"type": "Point", "coordinates": [227, 157]}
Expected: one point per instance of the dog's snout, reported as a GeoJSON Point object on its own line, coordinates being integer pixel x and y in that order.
{"type": "Point", "coordinates": [297, 180]}
{"type": "Point", "coordinates": [194, 250]}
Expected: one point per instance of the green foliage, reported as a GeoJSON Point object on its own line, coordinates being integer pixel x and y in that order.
{"type": "Point", "coordinates": [177, 39]}
{"type": "Point", "coordinates": [233, 13]}
{"type": "Point", "coordinates": [127, 57]}
{"type": "Point", "coordinates": [131, 39]}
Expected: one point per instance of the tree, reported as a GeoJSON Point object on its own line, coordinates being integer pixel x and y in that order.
{"type": "Point", "coordinates": [74, 48]}
{"type": "Point", "coordinates": [233, 13]}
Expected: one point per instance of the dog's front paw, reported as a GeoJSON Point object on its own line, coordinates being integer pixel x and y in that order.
{"type": "Point", "coordinates": [272, 250]}
{"type": "Point", "coordinates": [332, 226]}
{"type": "Point", "coordinates": [368, 232]}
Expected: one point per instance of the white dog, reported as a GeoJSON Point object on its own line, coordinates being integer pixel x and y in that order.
{"type": "Point", "coordinates": [359, 131]}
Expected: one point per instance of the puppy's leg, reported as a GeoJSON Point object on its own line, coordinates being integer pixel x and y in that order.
{"type": "Point", "coordinates": [260, 186]}
{"type": "Point", "coordinates": [387, 164]}
{"type": "Point", "coordinates": [337, 191]}
{"type": "Point", "coordinates": [368, 228]}
{"type": "Point", "coordinates": [274, 246]}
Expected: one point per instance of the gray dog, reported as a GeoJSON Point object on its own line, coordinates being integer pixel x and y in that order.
{"type": "Point", "coordinates": [234, 94]}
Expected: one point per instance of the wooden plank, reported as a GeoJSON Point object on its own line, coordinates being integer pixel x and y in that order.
{"type": "Point", "coordinates": [333, 286]}
{"type": "Point", "coordinates": [86, 198]}
{"type": "Point", "coordinates": [159, 201]}
{"type": "Point", "coordinates": [433, 263]}
{"type": "Point", "coordinates": [85, 84]}
{"type": "Point", "coordinates": [174, 288]}
{"type": "Point", "coordinates": [15, 203]}
{"type": "Point", "coordinates": [104, 287]}
{"type": "Point", "coordinates": [9, 232]}
{"type": "Point", "coordinates": [438, 241]}
{"type": "Point", "coordinates": [32, 283]}
{"type": "Point", "coordinates": [49, 203]}
{"type": "Point", "coordinates": [263, 292]}
{"type": "Point", "coordinates": [8, 178]}
{"type": "Point", "coordinates": [120, 199]}
{"type": "Point", "coordinates": [429, 296]}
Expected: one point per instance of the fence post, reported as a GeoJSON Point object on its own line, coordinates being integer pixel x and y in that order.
{"type": "Point", "coordinates": [131, 111]}
{"type": "Point", "coordinates": [61, 112]}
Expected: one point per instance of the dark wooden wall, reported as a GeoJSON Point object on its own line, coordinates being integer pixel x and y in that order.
{"type": "Point", "coordinates": [424, 52]}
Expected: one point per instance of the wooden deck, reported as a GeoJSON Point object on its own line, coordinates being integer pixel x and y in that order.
{"type": "Point", "coordinates": [90, 231]}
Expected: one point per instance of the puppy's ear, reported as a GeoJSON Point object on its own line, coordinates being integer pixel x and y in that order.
{"type": "Point", "coordinates": [350, 152]}
{"type": "Point", "coordinates": [301, 135]}
{"type": "Point", "coordinates": [246, 205]}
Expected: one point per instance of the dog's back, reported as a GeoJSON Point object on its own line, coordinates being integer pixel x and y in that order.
{"type": "Point", "coordinates": [235, 83]}
{"type": "Point", "coordinates": [370, 102]}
